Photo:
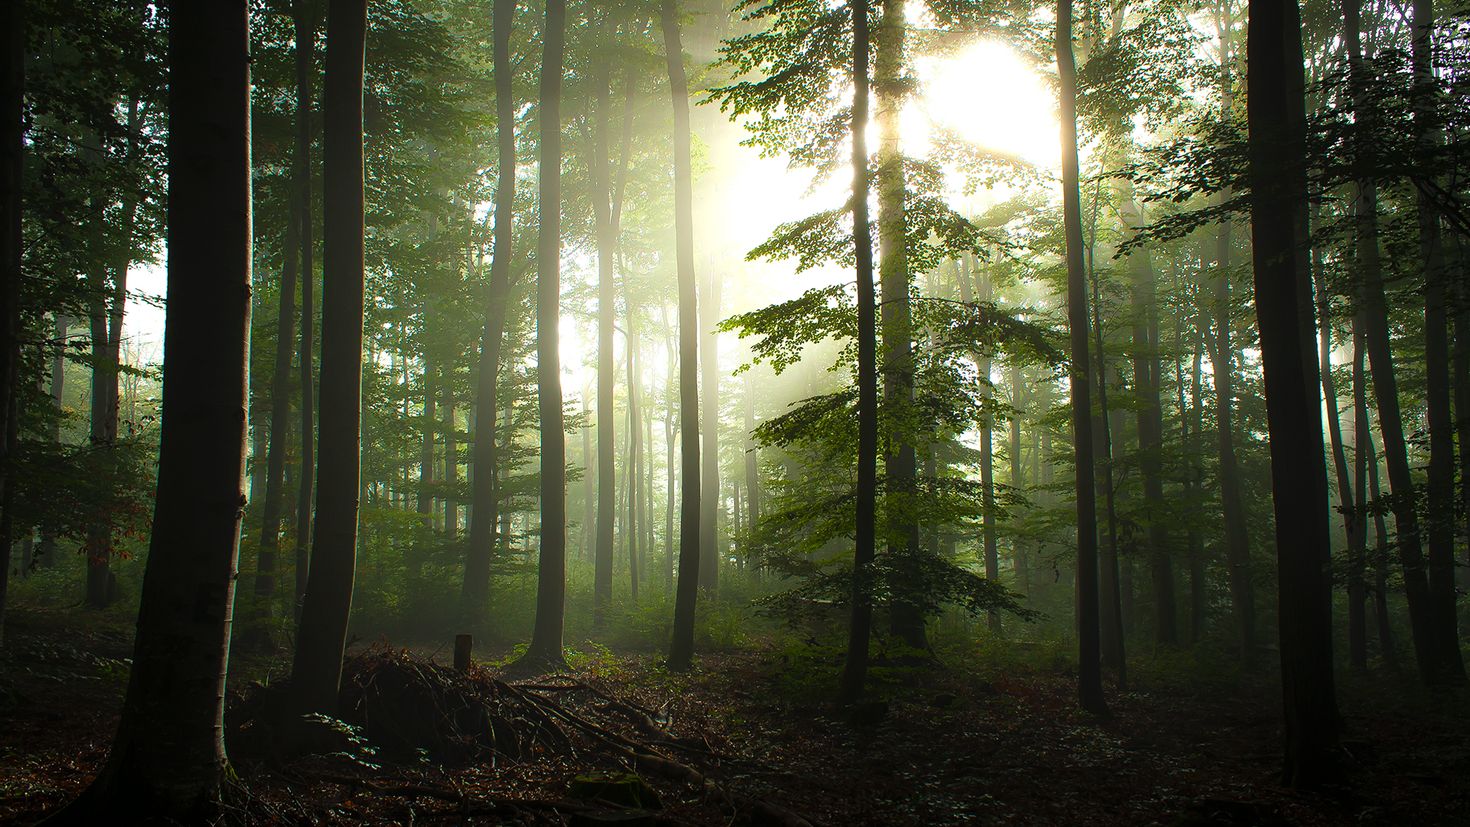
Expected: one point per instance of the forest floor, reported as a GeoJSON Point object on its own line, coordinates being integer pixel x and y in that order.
{"type": "Point", "coordinates": [997, 743]}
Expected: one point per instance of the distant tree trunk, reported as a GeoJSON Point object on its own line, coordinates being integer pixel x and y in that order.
{"type": "Point", "coordinates": [1198, 590]}
{"type": "Point", "coordinates": [475, 590]}
{"type": "Point", "coordinates": [681, 649]}
{"type": "Point", "coordinates": [989, 550]}
{"type": "Point", "coordinates": [860, 624]}
{"type": "Point", "coordinates": [1150, 414]}
{"type": "Point", "coordinates": [1352, 520]}
{"type": "Point", "coordinates": [634, 482]}
{"type": "Point", "coordinates": [424, 499]}
{"type": "Point", "coordinates": [12, 167]}
{"type": "Point", "coordinates": [1111, 609]}
{"type": "Point", "coordinates": [1441, 516]}
{"type": "Point", "coordinates": [1298, 476]}
{"type": "Point", "coordinates": [451, 457]}
{"type": "Point", "coordinates": [709, 363]}
{"type": "Point", "coordinates": [602, 579]}
{"type": "Point", "coordinates": [108, 302]}
{"type": "Point", "coordinates": [322, 632]}
{"type": "Point", "coordinates": [670, 412]}
{"type": "Point", "coordinates": [280, 389]}
{"type": "Point", "coordinates": [46, 552]}
{"type": "Point", "coordinates": [1437, 663]}
{"type": "Point", "coordinates": [1089, 672]}
{"type": "Point", "coordinates": [303, 16]}
{"type": "Point", "coordinates": [752, 459]}
{"type": "Point", "coordinates": [546, 638]}
{"type": "Point", "coordinates": [167, 759]}
{"type": "Point", "coordinates": [1358, 550]}
{"type": "Point", "coordinates": [1386, 644]}
{"type": "Point", "coordinates": [1018, 482]}
{"type": "Point", "coordinates": [1222, 368]}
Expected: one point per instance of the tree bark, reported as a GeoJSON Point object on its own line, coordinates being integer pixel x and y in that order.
{"type": "Point", "coordinates": [602, 578]}
{"type": "Point", "coordinates": [304, 19]}
{"type": "Point", "coordinates": [1089, 669]}
{"type": "Point", "coordinates": [709, 364]}
{"type": "Point", "coordinates": [12, 168]}
{"type": "Point", "coordinates": [475, 590]}
{"type": "Point", "coordinates": [1440, 421]}
{"type": "Point", "coordinates": [681, 649]}
{"type": "Point", "coordinates": [860, 624]}
{"type": "Point", "coordinates": [167, 759]}
{"type": "Point", "coordinates": [322, 632]}
{"type": "Point", "coordinates": [1276, 114]}
{"type": "Point", "coordinates": [546, 637]}
{"type": "Point", "coordinates": [1436, 662]}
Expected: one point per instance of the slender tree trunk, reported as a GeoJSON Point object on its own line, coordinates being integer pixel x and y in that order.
{"type": "Point", "coordinates": [634, 479]}
{"type": "Point", "coordinates": [271, 516]}
{"type": "Point", "coordinates": [1151, 439]}
{"type": "Point", "coordinates": [451, 457]}
{"type": "Point", "coordinates": [860, 624]}
{"type": "Point", "coordinates": [1437, 663]}
{"type": "Point", "coordinates": [681, 649]}
{"type": "Point", "coordinates": [602, 578]}
{"type": "Point", "coordinates": [304, 17]}
{"type": "Point", "coordinates": [167, 759]}
{"type": "Point", "coordinates": [1358, 547]}
{"type": "Point", "coordinates": [1222, 365]}
{"type": "Point", "coordinates": [670, 412]}
{"type": "Point", "coordinates": [475, 590]}
{"type": "Point", "coordinates": [322, 633]}
{"type": "Point", "coordinates": [1352, 521]}
{"type": "Point", "coordinates": [1018, 482]}
{"type": "Point", "coordinates": [1441, 515]}
{"type": "Point", "coordinates": [1111, 608]}
{"type": "Point", "coordinates": [546, 638]}
{"type": "Point", "coordinates": [12, 167]}
{"type": "Point", "coordinates": [709, 363]}
{"type": "Point", "coordinates": [1089, 671]}
{"type": "Point", "coordinates": [752, 460]}
{"type": "Point", "coordinates": [46, 552]}
{"type": "Point", "coordinates": [1298, 476]}
{"type": "Point", "coordinates": [1380, 554]}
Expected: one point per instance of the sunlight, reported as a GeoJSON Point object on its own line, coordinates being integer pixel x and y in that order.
{"type": "Point", "coordinates": [992, 97]}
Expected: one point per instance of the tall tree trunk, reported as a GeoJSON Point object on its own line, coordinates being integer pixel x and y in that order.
{"type": "Point", "coordinates": [681, 649]}
{"type": "Point", "coordinates": [988, 538]}
{"type": "Point", "coordinates": [168, 759]}
{"type": "Point", "coordinates": [752, 460]}
{"type": "Point", "coordinates": [1299, 479]}
{"type": "Point", "coordinates": [860, 624]}
{"type": "Point", "coordinates": [271, 517]}
{"type": "Point", "coordinates": [1017, 480]}
{"type": "Point", "coordinates": [1441, 516]}
{"type": "Point", "coordinates": [1111, 609]}
{"type": "Point", "coordinates": [475, 590]}
{"type": "Point", "coordinates": [634, 481]}
{"type": "Point", "coordinates": [602, 578]}
{"type": "Point", "coordinates": [1358, 548]}
{"type": "Point", "coordinates": [900, 460]}
{"type": "Point", "coordinates": [709, 364]}
{"type": "Point", "coordinates": [670, 412]}
{"type": "Point", "coordinates": [424, 499]}
{"type": "Point", "coordinates": [1089, 670]}
{"type": "Point", "coordinates": [546, 637]}
{"type": "Point", "coordinates": [304, 17]}
{"type": "Point", "coordinates": [12, 167]}
{"type": "Point", "coordinates": [1151, 438]}
{"type": "Point", "coordinates": [451, 457]}
{"type": "Point", "coordinates": [322, 632]}
{"type": "Point", "coordinates": [1437, 663]}
{"type": "Point", "coordinates": [1352, 520]}
{"type": "Point", "coordinates": [1386, 645]}
{"type": "Point", "coordinates": [1222, 368]}
{"type": "Point", "coordinates": [46, 552]}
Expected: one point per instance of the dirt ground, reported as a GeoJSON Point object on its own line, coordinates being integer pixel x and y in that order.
{"type": "Point", "coordinates": [951, 746]}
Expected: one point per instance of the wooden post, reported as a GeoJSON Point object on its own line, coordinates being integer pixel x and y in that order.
{"type": "Point", "coordinates": [462, 645]}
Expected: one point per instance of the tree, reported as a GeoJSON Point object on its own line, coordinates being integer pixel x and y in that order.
{"type": "Point", "coordinates": [1276, 118]}
{"type": "Point", "coordinates": [12, 161]}
{"type": "Point", "coordinates": [546, 638]}
{"type": "Point", "coordinates": [321, 634]}
{"type": "Point", "coordinates": [854, 670]}
{"type": "Point", "coordinates": [168, 759]}
{"type": "Point", "coordinates": [476, 588]}
{"type": "Point", "coordinates": [681, 649]}
{"type": "Point", "coordinates": [1089, 670]}
{"type": "Point", "coordinates": [303, 20]}
{"type": "Point", "coordinates": [602, 577]}
{"type": "Point", "coordinates": [709, 363]}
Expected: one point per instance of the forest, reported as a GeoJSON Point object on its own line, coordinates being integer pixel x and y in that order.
{"type": "Point", "coordinates": [711, 412]}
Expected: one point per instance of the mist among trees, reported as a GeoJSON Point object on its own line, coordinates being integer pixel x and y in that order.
{"type": "Point", "coordinates": [786, 412]}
